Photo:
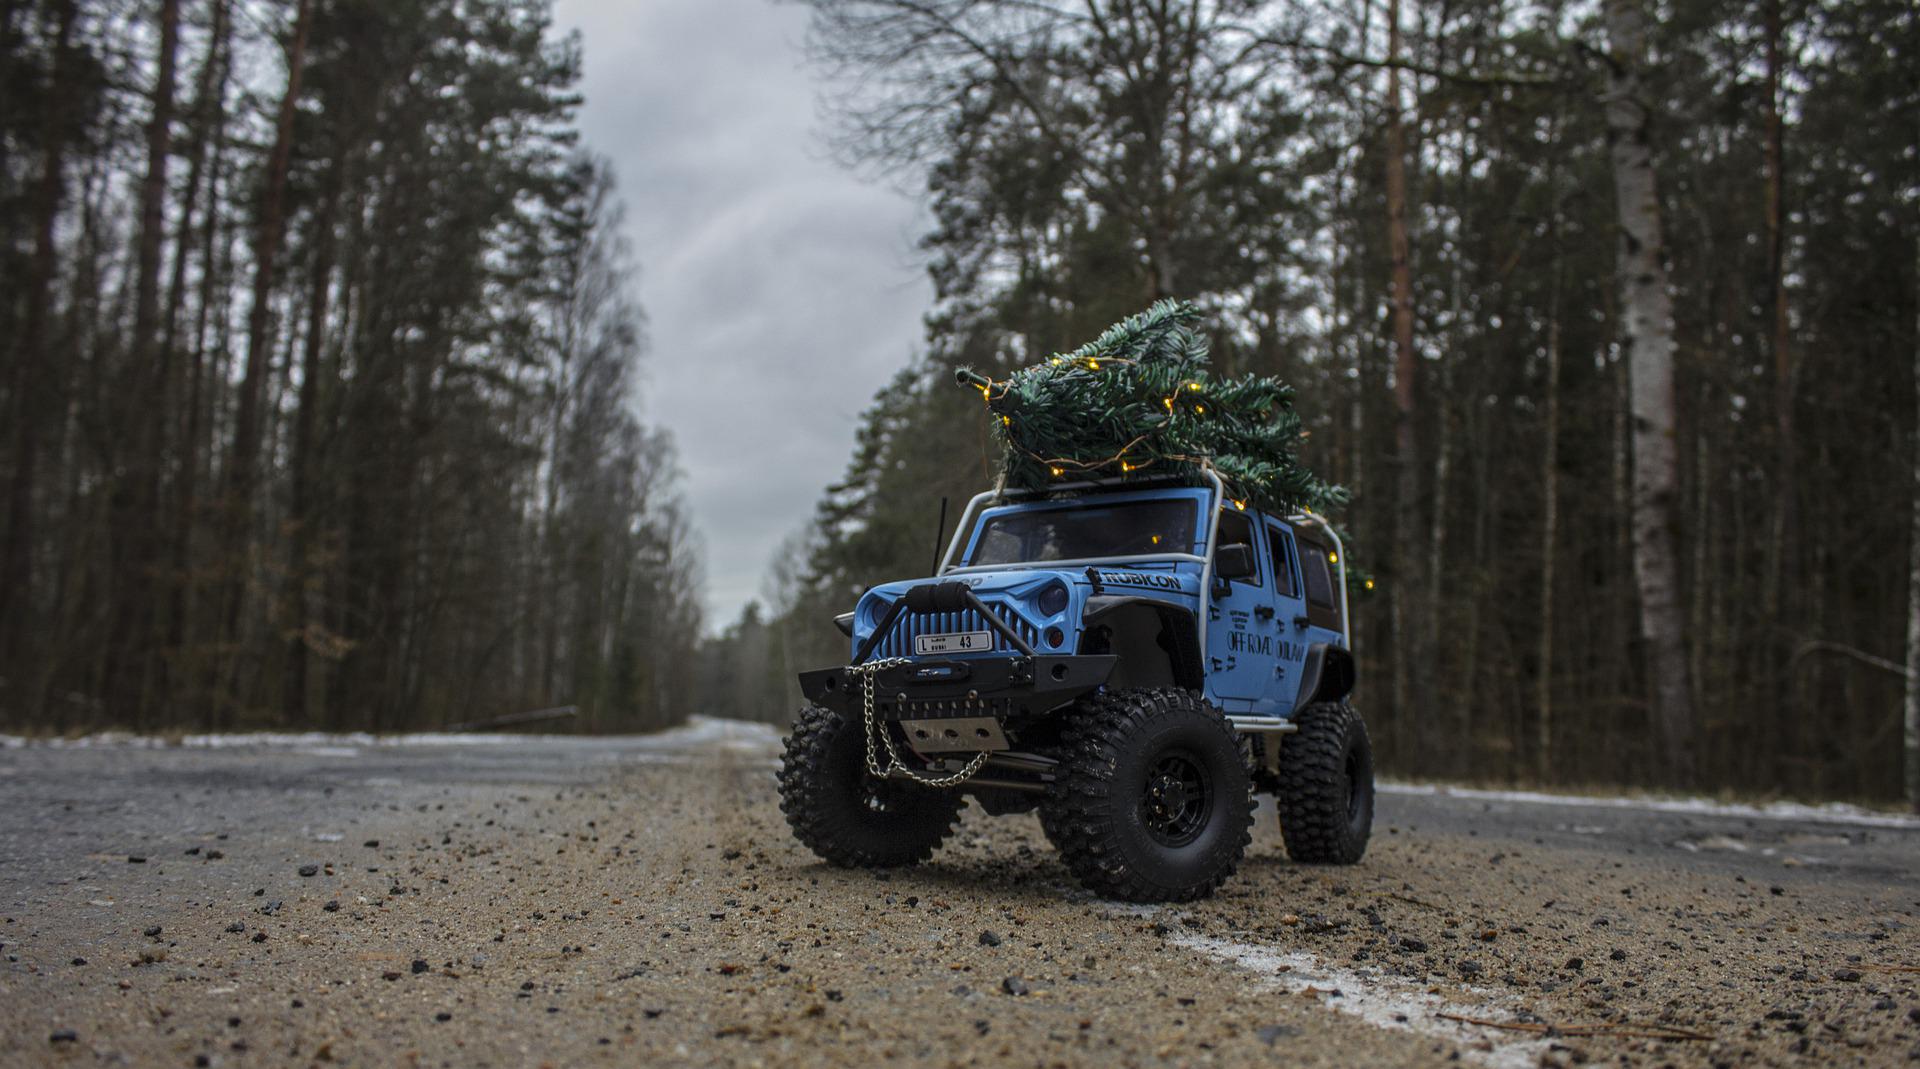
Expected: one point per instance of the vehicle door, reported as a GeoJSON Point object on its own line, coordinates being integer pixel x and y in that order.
{"type": "Point", "coordinates": [1241, 626]}
{"type": "Point", "coordinates": [1290, 618]}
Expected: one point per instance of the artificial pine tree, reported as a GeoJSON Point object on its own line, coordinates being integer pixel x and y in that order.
{"type": "Point", "coordinates": [1140, 401]}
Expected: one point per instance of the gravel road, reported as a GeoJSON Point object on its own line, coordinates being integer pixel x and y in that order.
{"type": "Point", "coordinates": [555, 901]}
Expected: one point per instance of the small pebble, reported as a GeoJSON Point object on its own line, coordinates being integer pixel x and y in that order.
{"type": "Point", "coordinates": [443, 1016]}
{"type": "Point", "coordinates": [1617, 955]}
{"type": "Point", "coordinates": [135, 859]}
{"type": "Point", "coordinates": [64, 1035]}
{"type": "Point", "coordinates": [79, 961]}
{"type": "Point", "coordinates": [153, 932]}
{"type": "Point", "coordinates": [419, 966]}
{"type": "Point", "coordinates": [989, 938]}
{"type": "Point", "coordinates": [1271, 1032]}
{"type": "Point", "coordinates": [1013, 985]}
{"type": "Point", "coordinates": [309, 870]}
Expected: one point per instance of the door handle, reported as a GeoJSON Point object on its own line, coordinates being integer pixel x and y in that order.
{"type": "Point", "coordinates": [1300, 621]}
{"type": "Point", "coordinates": [1264, 612]}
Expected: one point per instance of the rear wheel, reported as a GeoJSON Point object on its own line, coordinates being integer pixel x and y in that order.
{"type": "Point", "coordinates": [1151, 801]}
{"type": "Point", "coordinates": [848, 817]}
{"type": "Point", "coordinates": [1326, 786]}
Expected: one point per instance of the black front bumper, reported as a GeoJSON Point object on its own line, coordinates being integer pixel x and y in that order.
{"type": "Point", "coordinates": [1000, 687]}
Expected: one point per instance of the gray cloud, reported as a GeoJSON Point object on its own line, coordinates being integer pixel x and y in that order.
{"type": "Point", "coordinates": [780, 290]}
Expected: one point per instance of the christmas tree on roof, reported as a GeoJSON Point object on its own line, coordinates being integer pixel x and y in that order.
{"type": "Point", "coordinates": [1140, 401]}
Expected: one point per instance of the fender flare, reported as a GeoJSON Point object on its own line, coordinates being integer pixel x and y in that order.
{"type": "Point", "coordinates": [1178, 622]}
{"type": "Point", "coordinates": [1327, 676]}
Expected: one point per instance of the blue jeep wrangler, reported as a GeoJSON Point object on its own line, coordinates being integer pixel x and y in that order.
{"type": "Point", "coordinates": [1133, 659]}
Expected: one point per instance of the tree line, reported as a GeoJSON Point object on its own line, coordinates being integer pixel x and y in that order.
{"type": "Point", "coordinates": [318, 358]}
{"type": "Point", "coordinates": [1607, 313]}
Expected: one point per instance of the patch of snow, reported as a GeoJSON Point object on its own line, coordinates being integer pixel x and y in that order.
{"type": "Point", "coordinates": [698, 733]}
{"type": "Point", "coordinates": [712, 732]}
{"type": "Point", "coordinates": [1381, 1000]}
{"type": "Point", "coordinates": [1829, 813]}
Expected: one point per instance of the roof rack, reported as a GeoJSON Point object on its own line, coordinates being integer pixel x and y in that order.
{"type": "Point", "coordinates": [1121, 482]}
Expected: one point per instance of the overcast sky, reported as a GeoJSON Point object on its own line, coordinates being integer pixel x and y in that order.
{"type": "Point", "coordinates": [780, 289]}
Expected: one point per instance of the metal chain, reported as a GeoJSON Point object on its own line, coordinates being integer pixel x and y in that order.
{"type": "Point", "coordinates": [867, 672]}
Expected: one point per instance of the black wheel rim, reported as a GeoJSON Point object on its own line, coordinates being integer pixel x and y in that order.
{"type": "Point", "coordinates": [1177, 800]}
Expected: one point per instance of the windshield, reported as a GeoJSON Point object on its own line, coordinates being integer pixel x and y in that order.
{"type": "Point", "coordinates": [1081, 532]}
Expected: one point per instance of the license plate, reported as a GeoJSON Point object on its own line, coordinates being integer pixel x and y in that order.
{"type": "Point", "coordinates": [953, 642]}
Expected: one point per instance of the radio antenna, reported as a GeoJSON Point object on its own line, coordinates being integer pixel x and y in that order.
{"type": "Point", "coordinates": [939, 532]}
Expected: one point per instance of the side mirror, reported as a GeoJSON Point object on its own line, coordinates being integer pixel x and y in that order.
{"type": "Point", "coordinates": [1235, 562]}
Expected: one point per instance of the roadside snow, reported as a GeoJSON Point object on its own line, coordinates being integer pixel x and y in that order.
{"type": "Point", "coordinates": [1379, 999]}
{"type": "Point", "coordinates": [1831, 812]}
{"type": "Point", "coordinates": [743, 737]}
{"type": "Point", "coordinates": [698, 733]}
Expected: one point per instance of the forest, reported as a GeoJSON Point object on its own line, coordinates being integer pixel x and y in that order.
{"type": "Point", "coordinates": [1606, 313]}
{"type": "Point", "coordinates": [316, 357]}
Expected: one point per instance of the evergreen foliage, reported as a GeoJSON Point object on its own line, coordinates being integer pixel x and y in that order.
{"type": "Point", "coordinates": [380, 280]}
{"type": "Point", "coordinates": [1141, 400]}
{"type": "Point", "coordinates": [1084, 160]}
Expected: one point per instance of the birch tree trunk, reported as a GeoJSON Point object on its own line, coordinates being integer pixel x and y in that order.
{"type": "Point", "coordinates": [1647, 308]}
{"type": "Point", "coordinates": [1405, 367]}
{"type": "Point", "coordinates": [1913, 579]}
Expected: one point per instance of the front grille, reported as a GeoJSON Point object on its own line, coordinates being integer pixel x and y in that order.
{"type": "Point", "coordinates": [899, 641]}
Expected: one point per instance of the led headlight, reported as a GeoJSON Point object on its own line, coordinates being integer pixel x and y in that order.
{"type": "Point", "coordinates": [1053, 600]}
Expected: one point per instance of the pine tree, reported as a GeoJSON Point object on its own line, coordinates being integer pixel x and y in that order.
{"type": "Point", "coordinates": [1142, 400]}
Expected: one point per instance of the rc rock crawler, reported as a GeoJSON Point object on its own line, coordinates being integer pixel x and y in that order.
{"type": "Point", "coordinates": [1133, 659]}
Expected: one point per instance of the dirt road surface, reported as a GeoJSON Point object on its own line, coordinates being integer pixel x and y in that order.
{"type": "Point", "coordinates": [554, 901]}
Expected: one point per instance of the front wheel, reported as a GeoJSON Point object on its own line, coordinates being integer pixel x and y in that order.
{"type": "Point", "coordinates": [850, 818]}
{"type": "Point", "coordinates": [1326, 786]}
{"type": "Point", "coordinates": [1151, 801]}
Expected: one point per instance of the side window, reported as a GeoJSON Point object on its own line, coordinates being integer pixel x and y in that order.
{"type": "Point", "coordinates": [1313, 567]}
{"type": "Point", "coordinates": [1279, 543]}
{"type": "Point", "coordinates": [1235, 528]}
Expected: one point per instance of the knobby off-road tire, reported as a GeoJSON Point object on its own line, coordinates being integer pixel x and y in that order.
{"type": "Point", "coordinates": [848, 817]}
{"type": "Point", "coordinates": [1326, 786]}
{"type": "Point", "coordinates": [1151, 801]}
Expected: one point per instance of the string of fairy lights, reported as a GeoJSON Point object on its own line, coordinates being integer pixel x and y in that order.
{"type": "Point", "coordinates": [1141, 398]}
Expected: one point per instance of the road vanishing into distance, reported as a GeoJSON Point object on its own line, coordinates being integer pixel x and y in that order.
{"type": "Point", "coordinates": [558, 901]}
